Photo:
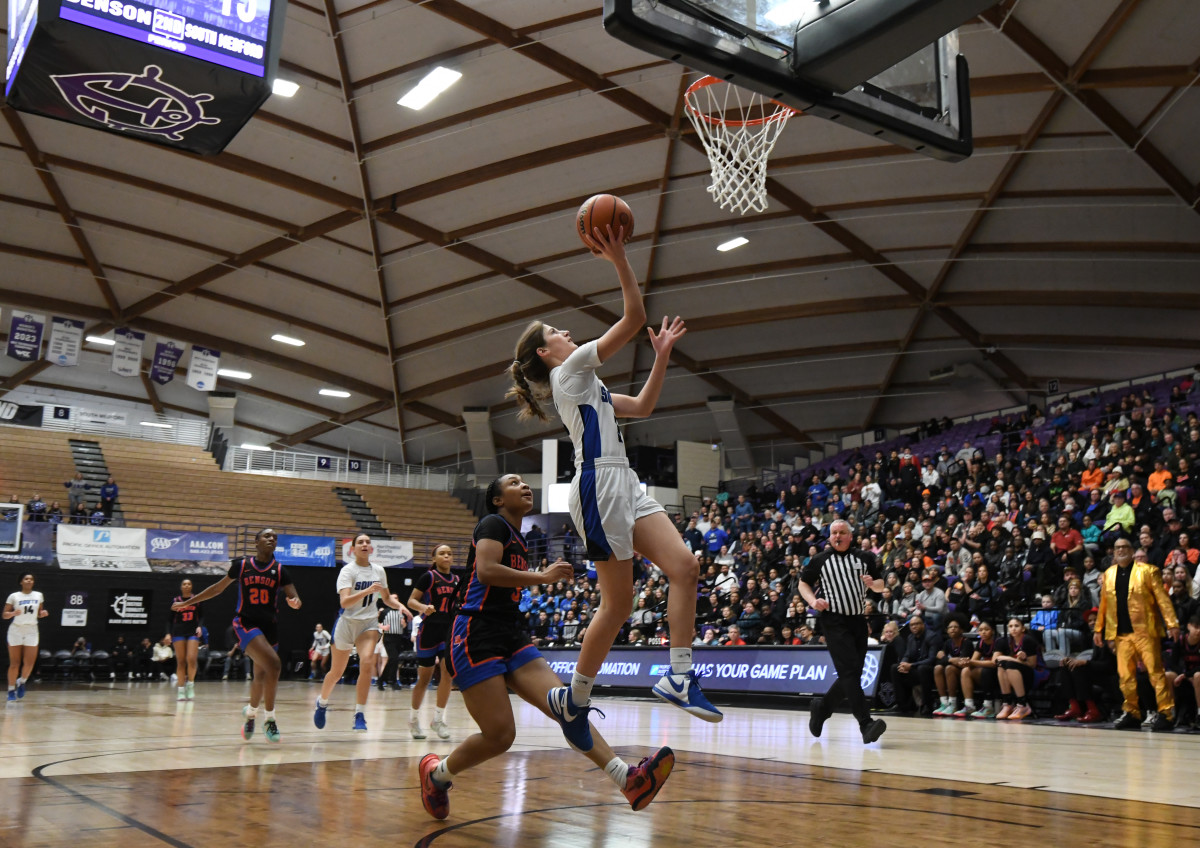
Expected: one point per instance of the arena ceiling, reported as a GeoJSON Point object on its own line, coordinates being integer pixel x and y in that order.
{"type": "Point", "coordinates": [408, 248]}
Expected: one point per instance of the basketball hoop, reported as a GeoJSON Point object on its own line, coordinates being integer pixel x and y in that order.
{"type": "Point", "coordinates": [738, 129]}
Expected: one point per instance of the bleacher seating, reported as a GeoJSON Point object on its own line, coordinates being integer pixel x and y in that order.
{"type": "Point", "coordinates": [35, 461]}
{"type": "Point", "coordinates": [427, 517]}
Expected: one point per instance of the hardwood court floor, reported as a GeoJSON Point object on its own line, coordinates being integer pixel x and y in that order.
{"type": "Point", "coordinates": [126, 766]}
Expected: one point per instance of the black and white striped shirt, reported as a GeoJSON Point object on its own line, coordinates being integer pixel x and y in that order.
{"type": "Point", "coordinates": [837, 577]}
{"type": "Point", "coordinates": [395, 621]}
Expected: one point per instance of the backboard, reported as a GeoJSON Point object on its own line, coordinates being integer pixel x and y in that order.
{"type": "Point", "coordinates": [888, 68]}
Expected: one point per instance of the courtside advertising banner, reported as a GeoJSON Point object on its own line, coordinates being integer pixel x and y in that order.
{"type": "Point", "coordinates": [202, 368]}
{"type": "Point", "coordinates": [37, 542]}
{"type": "Point", "coordinates": [66, 339]}
{"type": "Point", "coordinates": [306, 550]}
{"type": "Point", "coordinates": [25, 336]}
{"type": "Point", "coordinates": [104, 542]}
{"type": "Point", "coordinates": [127, 352]}
{"type": "Point", "coordinates": [96, 563]}
{"type": "Point", "coordinates": [167, 544]}
{"type": "Point", "coordinates": [795, 670]}
{"type": "Point", "coordinates": [167, 353]}
{"type": "Point", "coordinates": [387, 554]}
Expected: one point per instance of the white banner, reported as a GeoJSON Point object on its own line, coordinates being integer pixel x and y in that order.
{"type": "Point", "coordinates": [388, 552]}
{"type": "Point", "coordinates": [127, 353]}
{"type": "Point", "coordinates": [202, 368]}
{"type": "Point", "coordinates": [66, 338]}
{"type": "Point", "coordinates": [104, 563]}
{"type": "Point", "coordinates": [91, 418]}
{"type": "Point", "coordinates": [74, 618]}
{"type": "Point", "coordinates": [103, 542]}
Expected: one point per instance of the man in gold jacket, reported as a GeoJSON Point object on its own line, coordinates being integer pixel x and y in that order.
{"type": "Point", "coordinates": [1131, 604]}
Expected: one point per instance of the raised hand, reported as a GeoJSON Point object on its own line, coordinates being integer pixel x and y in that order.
{"type": "Point", "coordinates": [668, 334]}
{"type": "Point", "coordinates": [606, 243]}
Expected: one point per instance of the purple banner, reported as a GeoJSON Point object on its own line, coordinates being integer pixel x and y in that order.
{"type": "Point", "coordinates": [37, 542]}
{"type": "Point", "coordinates": [25, 336]}
{"type": "Point", "coordinates": [798, 670]}
{"type": "Point", "coordinates": [167, 354]}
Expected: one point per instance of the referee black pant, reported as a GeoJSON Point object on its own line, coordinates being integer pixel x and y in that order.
{"type": "Point", "coordinates": [394, 644]}
{"type": "Point", "coordinates": [846, 639]}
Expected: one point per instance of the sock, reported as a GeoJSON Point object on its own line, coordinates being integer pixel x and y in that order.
{"type": "Point", "coordinates": [269, 715]}
{"type": "Point", "coordinates": [12, 688]}
{"type": "Point", "coordinates": [20, 680]}
{"type": "Point", "coordinates": [618, 770]}
{"type": "Point", "coordinates": [945, 702]}
{"type": "Point", "coordinates": [322, 702]}
{"type": "Point", "coordinates": [180, 690]}
{"type": "Point", "coordinates": [439, 714]}
{"type": "Point", "coordinates": [251, 711]}
{"type": "Point", "coordinates": [416, 715]}
{"type": "Point", "coordinates": [1022, 701]}
{"type": "Point", "coordinates": [581, 689]}
{"type": "Point", "coordinates": [358, 708]}
{"type": "Point", "coordinates": [1010, 699]}
{"type": "Point", "coordinates": [441, 775]}
{"type": "Point", "coordinates": [681, 660]}
{"type": "Point", "coordinates": [969, 704]}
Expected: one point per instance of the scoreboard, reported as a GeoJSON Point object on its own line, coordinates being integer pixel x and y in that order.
{"type": "Point", "coordinates": [182, 73]}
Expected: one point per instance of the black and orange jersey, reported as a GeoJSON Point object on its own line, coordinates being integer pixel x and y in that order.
{"type": "Point", "coordinates": [497, 601]}
{"type": "Point", "coordinates": [258, 587]}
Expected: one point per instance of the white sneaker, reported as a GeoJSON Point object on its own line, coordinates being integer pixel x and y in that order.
{"type": "Point", "coordinates": [181, 696]}
{"type": "Point", "coordinates": [439, 727]}
{"type": "Point", "coordinates": [1151, 715]}
{"type": "Point", "coordinates": [414, 727]}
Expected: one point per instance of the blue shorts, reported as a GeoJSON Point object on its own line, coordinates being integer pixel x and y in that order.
{"type": "Point", "coordinates": [481, 648]}
{"type": "Point", "coordinates": [246, 631]}
{"type": "Point", "coordinates": [431, 641]}
{"type": "Point", "coordinates": [192, 638]}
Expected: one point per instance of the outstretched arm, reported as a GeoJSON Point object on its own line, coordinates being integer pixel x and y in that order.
{"type": "Point", "coordinates": [611, 246]}
{"type": "Point", "coordinates": [662, 342]}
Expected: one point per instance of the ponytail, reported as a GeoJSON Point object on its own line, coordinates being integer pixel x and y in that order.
{"type": "Point", "coordinates": [530, 377]}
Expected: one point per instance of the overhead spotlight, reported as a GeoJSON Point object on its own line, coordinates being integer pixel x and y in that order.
{"type": "Point", "coordinates": [433, 84]}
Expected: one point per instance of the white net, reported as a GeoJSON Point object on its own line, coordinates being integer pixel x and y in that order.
{"type": "Point", "coordinates": [738, 129]}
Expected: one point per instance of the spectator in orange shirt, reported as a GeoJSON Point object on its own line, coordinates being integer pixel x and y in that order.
{"type": "Point", "coordinates": [1159, 478]}
{"type": "Point", "coordinates": [1091, 478]}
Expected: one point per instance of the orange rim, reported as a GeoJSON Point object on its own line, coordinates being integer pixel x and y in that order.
{"type": "Point", "coordinates": [704, 82]}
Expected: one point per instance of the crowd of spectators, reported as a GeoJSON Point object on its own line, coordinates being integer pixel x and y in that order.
{"type": "Point", "coordinates": [961, 537]}
{"type": "Point", "coordinates": [78, 509]}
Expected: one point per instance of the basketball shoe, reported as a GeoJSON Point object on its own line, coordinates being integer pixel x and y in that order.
{"type": "Point", "coordinates": [433, 797]}
{"type": "Point", "coordinates": [360, 723]}
{"type": "Point", "coordinates": [683, 690]}
{"type": "Point", "coordinates": [572, 719]}
{"type": "Point", "coordinates": [647, 777]}
{"type": "Point", "coordinates": [271, 730]}
{"type": "Point", "coordinates": [248, 713]}
{"type": "Point", "coordinates": [319, 715]}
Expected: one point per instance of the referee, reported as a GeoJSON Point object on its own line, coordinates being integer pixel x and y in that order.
{"type": "Point", "coordinates": [834, 582]}
{"type": "Point", "coordinates": [394, 642]}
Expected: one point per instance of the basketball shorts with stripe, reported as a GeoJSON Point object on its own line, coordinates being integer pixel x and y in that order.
{"type": "Point", "coordinates": [482, 648]}
{"type": "Point", "coordinates": [605, 502]}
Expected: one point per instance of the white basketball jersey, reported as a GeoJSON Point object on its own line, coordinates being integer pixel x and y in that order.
{"type": "Point", "coordinates": [354, 576]}
{"type": "Point", "coordinates": [26, 606]}
{"type": "Point", "coordinates": [585, 407]}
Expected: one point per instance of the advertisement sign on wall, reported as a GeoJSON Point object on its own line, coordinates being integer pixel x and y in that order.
{"type": "Point", "coordinates": [167, 544]}
{"type": "Point", "coordinates": [37, 545]}
{"type": "Point", "coordinates": [306, 550]}
{"type": "Point", "coordinates": [108, 542]}
{"type": "Point", "coordinates": [128, 610]}
{"type": "Point", "coordinates": [778, 671]}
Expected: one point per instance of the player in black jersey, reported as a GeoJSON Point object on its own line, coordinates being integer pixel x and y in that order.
{"type": "Point", "coordinates": [433, 596]}
{"type": "Point", "coordinates": [260, 579]}
{"type": "Point", "coordinates": [491, 652]}
{"type": "Point", "coordinates": [185, 638]}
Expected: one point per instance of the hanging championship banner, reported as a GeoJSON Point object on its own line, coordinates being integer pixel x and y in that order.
{"type": "Point", "coordinates": [202, 369]}
{"type": "Point", "coordinates": [167, 354]}
{"type": "Point", "coordinates": [66, 338]}
{"type": "Point", "coordinates": [25, 336]}
{"type": "Point", "coordinates": [127, 354]}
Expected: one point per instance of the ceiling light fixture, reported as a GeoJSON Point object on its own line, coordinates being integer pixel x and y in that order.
{"type": "Point", "coordinates": [287, 340]}
{"type": "Point", "coordinates": [100, 340]}
{"type": "Point", "coordinates": [334, 393]}
{"type": "Point", "coordinates": [250, 447]}
{"type": "Point", "coordinates": [233, 375]}
{"type": "Point", "coordinates": [284, 88]}
{"type": "Point", "coordinates": [434, 83]}
{"type": "Point", "coordinates": [732, 243]}
{"type": "Point", "coordinates": [158, 424]}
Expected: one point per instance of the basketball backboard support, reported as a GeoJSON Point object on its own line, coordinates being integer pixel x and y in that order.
{"type": "Point", "coordinates": [887, 68]}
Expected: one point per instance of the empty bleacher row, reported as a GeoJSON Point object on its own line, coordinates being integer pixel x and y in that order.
{"type": "Point", "coordinates": [181, 485]}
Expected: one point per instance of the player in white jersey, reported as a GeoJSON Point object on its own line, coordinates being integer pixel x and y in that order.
{"type": "Point", "coordinates": [23, 608]}
{"type": "Point", "coordinates": [608, 506]}
{"type": "Point", "coordinates": [359, 584]}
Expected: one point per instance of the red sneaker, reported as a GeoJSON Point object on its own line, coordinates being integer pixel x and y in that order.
{"type": "Point", "coordinates": [647, 777]}
{"type": "Point", "coordinates": [435, 800]}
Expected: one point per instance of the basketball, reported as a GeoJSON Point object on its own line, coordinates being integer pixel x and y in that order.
{"type": "Point", "coordinates": [601, 211]}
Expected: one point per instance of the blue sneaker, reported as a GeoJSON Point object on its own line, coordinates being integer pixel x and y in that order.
{"type": "Point", "coordinates": [683, 690]}
{"type": "Point", "coordinates": [360, 723]}
{"type": "Point", "coordinates": [319, 716]}
{"type": "Point", "coordinates": [573, 719]}
{"type": "Point", "coordinates": [12, 694]}
{"type": "Point", "coordinates": [271, 730]}
{"type": "Point", "coordinates": [20, 689]}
